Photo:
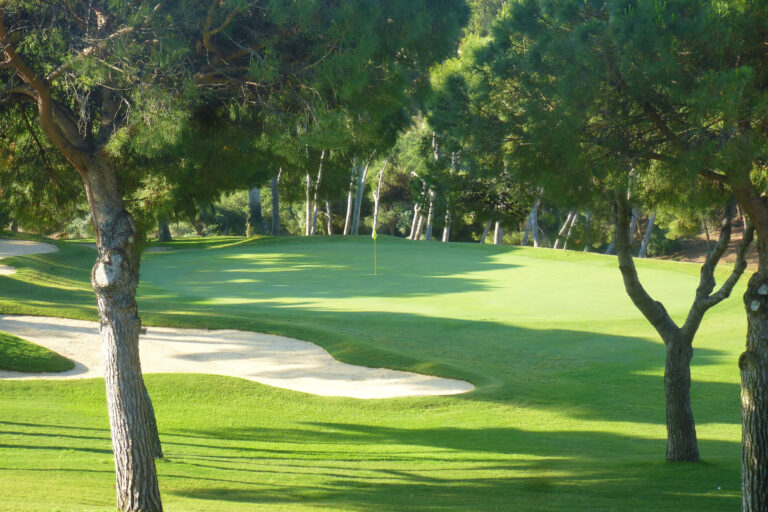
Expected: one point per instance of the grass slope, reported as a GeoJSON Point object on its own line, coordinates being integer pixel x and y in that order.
{"type": "Point", "coordinates": [22, 356]}
{"type": "Point", "coordinates": [568, 413]}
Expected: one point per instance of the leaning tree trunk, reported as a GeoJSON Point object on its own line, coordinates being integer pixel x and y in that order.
{"type": "Point", "coordinates": [587, 231]}
{"type": "Point", "coordinates": [485, 231]}
{"type": "Point", "coordinates": [561, 233]}
{"type": "Point", "coordinates": [419, 228]}
{"type": "Point", "coordinates": [163, 230]}
{"type": "Point", "coordinates": [574, 219]}
{"type": "Point", "coordinates": [681, 428]}
{"type": "Point", "coordinates": [430, 215]}
{"type": "Point", "coordinates": [275, 189]}
{"type": "Point", "coordinates": [255, 222]}
{"type": "Point", "coordinates": [115, 277]}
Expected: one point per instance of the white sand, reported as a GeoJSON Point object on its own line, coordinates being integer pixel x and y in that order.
{"type": "Point", "coordinates": [10, 248]}
{"type": "Point", "coordinates": [273, 360]}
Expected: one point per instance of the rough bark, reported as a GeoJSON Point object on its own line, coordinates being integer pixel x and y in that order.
{"type": "Point", "coordinates": [498, 234]}
{"type": "Point", "coordinates": [275, 189]}
{"type": "Point", "coordinates": [115, 277]}
{"type": "Point", "coordinates": [163, 230]}
{"type": "Point", "coordinates": [681, 430]}
{"type": "Point", "coordinates": [347, 224]}
{"type": "Point", "coordinates": [643, 252]}
{"type": "Point", "coordinates": [485, 231]}
{"type": "Point", "coordinates": [255, 221]}
{"type": "Point", "coordinates": [430, 215]}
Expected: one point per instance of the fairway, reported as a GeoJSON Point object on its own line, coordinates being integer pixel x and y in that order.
{"type": "Point", "coordinates": [567, 414]}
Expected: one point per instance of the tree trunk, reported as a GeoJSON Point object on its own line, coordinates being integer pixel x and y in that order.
{"type": "Point", "coordinates": [329, 214]}
{"type": "Point", "coordinates": [14, 227]}
{"type": "Point", "coordinates": [255, 223]}
{"type": "Point", "coordinates": [315, 208]}
{"type": "Point", "coordinates": [706, 232]}
{"type": "Point", "coordinates": [646, 237]}
{"type": "Point", "coordinates": [633, 225]}
{"type": "Point", "coordinates": [527, 231]}
{"type": "Point", "coordinates": [377, 196]}
{"type": "Point", "coordinates": [163, 230]}
{"type": "Point", "coordinates": [587, 231]}
{"type": "Point", "coordinates": [535, 231]}
{"type": "Point", "coordinates": [419, 227]}
{"type": "Point", "coordinates": [485, 231]}
{"type": "Point", "coordinates": [308, 208]}
{"type": "Point", "coordinates": [562, 229]}
{"type": "Point", "coordinates": [498, 234]}
{"type": "Point", "coordinates": [114, 278]}
{"type": "Point", "coordinates": [415, 220]}
{"type": "Point", "coordinates": [570, 228]}
{"type": "Point", "coordinates": [753, 364]}
{"type": "Point", "coordinates": [681, 428]}
{"type": "Point", "coordinates": [362, 174]}
{"type": "Point", "coordinates": [447, 227]}
{"type": "Point", "coordinates": [349, 202]}
{"type": "Point", "coordinates": [199, 226]}
{"type": "Point", "coordinates": [430, 212]}
{"type": "Point", "coordinates": [275, 203]}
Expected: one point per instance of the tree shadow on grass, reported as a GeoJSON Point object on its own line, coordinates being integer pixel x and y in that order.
{"type": "Point", "coordinates": [491, 469]}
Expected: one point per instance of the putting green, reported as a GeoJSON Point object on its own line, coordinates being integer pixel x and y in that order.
{"type": "Point", "coordinates": [567, 415]}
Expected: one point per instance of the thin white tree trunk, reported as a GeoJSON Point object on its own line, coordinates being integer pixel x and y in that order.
{"type": "Point", "coordinates": [419, 227]}
{"type": "Point", "coordinates": [361, 176]}
{"type": "Point", "coordinates": [647, 237]}
{"type": "Point", "coordinates": [415, 220]}
{"type": "Point", "coordinates": [498, 234]}
{"type": "Point", "coordinates": [348, 218]}
{"type": "Point", "coordinates": [527, 231]}
{"type": "Point", "coordinates": [255, 224]}
{"type": "Point", "coordinates": [485, 231]}
{"type": "Point", "coordinates": [570, 229]}
{"type": "Point", "coordinates": [377, 196]}
{"type": "Point", "coordinates": [633, 224]}
{"type": "Point", "coordinates": [317, 187]}
{"type": "Point", "coordinates": [587, 231]}
{"type": "Point", "coordinates": [447, 226]}
{"type": "Point", "coordinates": [276, 203]}
{"type": "Point", "coordinates": [329, 214]}
{"type": "Point", "coordinates": [563, 229]}
{"type": "Point", "coordinates": [308, 208]}
{"type": "Point", "coordinates": [428, 233]}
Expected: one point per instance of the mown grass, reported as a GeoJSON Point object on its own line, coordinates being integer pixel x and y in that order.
{"type": "Point", "coordinates": [22, 356]}
{"type": "Point", "coordinates": [568, 413]}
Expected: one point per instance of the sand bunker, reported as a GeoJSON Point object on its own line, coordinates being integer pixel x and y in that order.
{"type": "Point", "coordinates": [10, 248]}
{"type": "Point", "coordinates": [273, 360]}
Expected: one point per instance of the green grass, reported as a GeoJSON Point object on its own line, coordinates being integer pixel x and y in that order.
{"type": "Point", "coordinates": [22, 356]}
{"type": "Point", "coordinates": [568, 413]}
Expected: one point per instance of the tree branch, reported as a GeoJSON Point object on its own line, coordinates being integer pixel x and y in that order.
{"type": "Point", "coordinates": [653, 310]}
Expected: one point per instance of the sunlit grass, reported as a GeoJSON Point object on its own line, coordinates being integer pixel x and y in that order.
{"type": "Point", "coordinates": [568, 412]}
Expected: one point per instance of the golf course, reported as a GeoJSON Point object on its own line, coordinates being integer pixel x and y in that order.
{"type": "Point", "coordinates": [567, 410]}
